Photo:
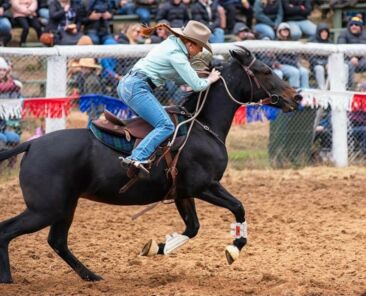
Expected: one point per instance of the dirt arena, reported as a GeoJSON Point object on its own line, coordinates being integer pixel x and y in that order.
{"type": "Point", "coordinates": [307, 236]}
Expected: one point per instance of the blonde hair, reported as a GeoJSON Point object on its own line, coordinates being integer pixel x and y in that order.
{"type": "Point", "coordinates": [130, 31]}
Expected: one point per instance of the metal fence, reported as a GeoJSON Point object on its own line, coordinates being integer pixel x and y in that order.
{"type": "Point", "coordinates": [314, 135]}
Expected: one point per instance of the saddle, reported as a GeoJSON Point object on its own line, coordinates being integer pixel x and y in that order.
{"type": "Point", "coordinates": [137, 127]}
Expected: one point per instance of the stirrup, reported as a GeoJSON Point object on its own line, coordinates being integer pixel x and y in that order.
{"type": "Point", "coordinates": [139, 164]}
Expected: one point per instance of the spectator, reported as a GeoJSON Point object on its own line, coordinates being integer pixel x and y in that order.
{"type": "Point", "coordinates": [242, 32]}
{"type": "Point", "coordinates": [296, 14]}
{"type": "Point", "coordinates": [232, 6]}
{"type": "Point", "coordinates": [354, 34]}
{"type": "Point", "coordinates": [109, 75]}
{"type": "Point", "coordinates": [160, 34]}
{"type": "Point", "coordinates": [174, 11]}
{"type": "Point", "coordinates": [134, 34]}
{"type": "Point", "coordinates": [9, 89]}
{"type": "Point", "coordinates": [288, 63]}
{"type": "Point", "coordinates": [5, 25]}
{"type": "Point", "coordinates": [66, 18]}
{"type": "Point", "coordinates": [268, 15]}
{"type": "Point", "coordinates": [43, 12]}
{"type": "Point", "coordinates": [125, 7]}
{"type": "Point", "coordinates": [25, 16]}
{"type": "Point", "coordinates": [319, 63]}
{"type": "Point", "coordinates": [97, 26]}
{"type": "Point", "coordinates": [206, 13]}
{"type": "Point", "coordinates": [144, 9]}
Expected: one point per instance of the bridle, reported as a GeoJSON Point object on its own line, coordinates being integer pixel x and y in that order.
{"type": "Point", "coordinates": [271, 98]}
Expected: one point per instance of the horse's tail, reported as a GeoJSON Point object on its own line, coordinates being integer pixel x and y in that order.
{"type": "Point", "coordinates": [18, 149]}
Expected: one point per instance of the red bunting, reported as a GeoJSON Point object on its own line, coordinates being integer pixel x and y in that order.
{"type": "Point", "coordinates": [359, 102]}
{"type": "Point", "coordinates": [240, 116]}
{"type": "Point", "coordinates": [51, 107]}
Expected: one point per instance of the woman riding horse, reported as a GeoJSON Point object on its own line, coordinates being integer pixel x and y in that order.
{"type": "Point", "coordinates": [167, 61]}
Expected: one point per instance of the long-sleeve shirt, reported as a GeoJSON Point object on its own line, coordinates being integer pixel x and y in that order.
{"type": "Point", "coordinates": [169, 61]}
{"type": "Point", "coordinates": [271, 15]}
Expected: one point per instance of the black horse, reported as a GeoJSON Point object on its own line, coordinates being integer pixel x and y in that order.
{"type": "Point", "coordinates": [62, 166]}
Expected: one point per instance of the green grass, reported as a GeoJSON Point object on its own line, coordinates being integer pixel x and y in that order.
{"type": "Point", "coordinates": [249, 159]}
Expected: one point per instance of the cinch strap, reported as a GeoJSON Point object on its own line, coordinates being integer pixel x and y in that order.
{"type": "Point", "coordinates": [239, 230]}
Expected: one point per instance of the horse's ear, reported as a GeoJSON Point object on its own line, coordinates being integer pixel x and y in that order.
{"type": "Point", "coordinates": [235, 54]}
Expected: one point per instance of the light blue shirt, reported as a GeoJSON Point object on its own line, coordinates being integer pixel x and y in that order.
{"type": "Point", "coordinates": [169, 61]}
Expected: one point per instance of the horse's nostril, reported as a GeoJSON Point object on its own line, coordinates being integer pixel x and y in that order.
{"type": "Point", "coordinates": [298, 98]}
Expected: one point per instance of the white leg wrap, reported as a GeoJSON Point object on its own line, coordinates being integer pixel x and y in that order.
{"type": "Point", "coordinates": [174, 241]}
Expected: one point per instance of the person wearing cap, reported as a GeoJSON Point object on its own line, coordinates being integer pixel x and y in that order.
{"type": "Point", "coordinates": [242, 32]}
{"type": "Point", "coordinates": [319, 63]}
{"type": "Point", "coordinates": [289, 63]}
{"type": "Point", "coordinates": [169, 60]}
{"type": "Point", "coordinates": [354, 34]}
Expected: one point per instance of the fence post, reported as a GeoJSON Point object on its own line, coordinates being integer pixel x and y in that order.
{"type": "Point", "coordinates": [56, 88]}
{"type": "Point", "coordinates": [337, 79]}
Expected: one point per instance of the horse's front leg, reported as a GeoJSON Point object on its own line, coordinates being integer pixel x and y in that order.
{"type": "Point", "coordinates": [187, 210]}
{"type": "Point", "coordinates": [219, 196]}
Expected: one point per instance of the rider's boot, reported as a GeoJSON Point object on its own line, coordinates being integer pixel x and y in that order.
{"type": "Point", "coordinates": [140, 165]}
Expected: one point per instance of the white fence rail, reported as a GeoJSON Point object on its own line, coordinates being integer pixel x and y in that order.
{"type": "Point", "coordinates": [57, 62]}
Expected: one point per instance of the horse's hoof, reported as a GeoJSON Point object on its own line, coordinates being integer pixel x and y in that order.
{"type": "Point", "coordinates": [92, 277]}
{"type": "Point", "coordinates": [231, 253]}
{"type": "Point", "coordinates": [150, 249]}
{"type": "Point", "coordinates": [8, 281]}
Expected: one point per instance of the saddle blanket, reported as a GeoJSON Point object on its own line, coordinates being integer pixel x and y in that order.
{"type": "Point", "coordinates": [121, 144]}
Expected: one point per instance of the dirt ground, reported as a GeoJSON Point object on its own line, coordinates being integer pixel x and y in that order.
{"type": "Point", "coordinates": [306, 228]}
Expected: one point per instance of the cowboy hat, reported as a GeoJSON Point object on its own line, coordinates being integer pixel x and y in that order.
{"type": "Point", "coordinates": [87, 63]}
{"type": "Point", "coordinates": [195, 32]}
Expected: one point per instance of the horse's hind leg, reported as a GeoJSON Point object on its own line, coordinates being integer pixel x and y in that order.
{"type": "Point", "coordinates": [57, 239]}
{"type": "Point", "coordinates": [26, 222]}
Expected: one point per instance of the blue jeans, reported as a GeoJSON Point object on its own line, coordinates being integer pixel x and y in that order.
{"type": "Point", "coordinates": [136, 93]}
{"type": "Point", "coordinates": [217, 36]}
{"type": "Point", "coordinates": [298, 28]}
{"type": "Point", "coordinates": [298, 77]}
{"type": "Point", "coordinates": [144, 15]}
{"type": "Point", "coordinates": [127, 9]}
{"type": "Point", "coordinates": [320, 71]}
{"type": "Point", "coordinates": [265, 31]}
{"type": "Point", "coordinates": [9, 137]}
{"type": "Point", "coordinates": [5, 29]}
{"type": "Point", "coordinates": [100, 38]}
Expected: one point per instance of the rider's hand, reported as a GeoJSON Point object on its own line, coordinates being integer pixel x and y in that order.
{"type": "Point", "coordinates": [214, 76]}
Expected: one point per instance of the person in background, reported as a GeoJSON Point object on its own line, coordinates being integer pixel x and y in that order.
{"type": "Point", "coordinates": [160, 34]}
{"type": "Point", "coordinates": [231, 8]}
{"type": "Point", "coordinates": [354, 34]}
{"type": "Point", "coordinates": [289, 63]}
{"type": "Point", "coordinates": [89, 74]}
{"type": "Point", "coordinates": [109, 75]}
{"type": "Point", "coordinates": [143, 10]}
{"type": "Point", "coordinates": [242, 32]}
{"type": "Point", "coordinates": [66, 18]}
{"type": "Point", "coordinates": [296, 13]}
{"type": "Point", "coordinates": [25, 16]}
{"type": "Point", "coordinates": [97, 26]}
{"type": "Point", "coordinates": [205, 12]}
{"type": "Point", "coordinates": [5, 25]}
{"type": "Point", "coordinates": [9, 89]}
{"type": "Point", "coordinates": [319, 63]}
{"type": "Point", "coordinates": [173, 11]}
{"type": "Point", "coordinates": [43, 12]}
{"type": "Point", "coordinates": [134, 34]}
{"type": "Point", "coordinates": [125, 7]}
{"type": "Point", "coordinates": [268, 15]}
{"type": "Point", "coordinates": [169, 60]}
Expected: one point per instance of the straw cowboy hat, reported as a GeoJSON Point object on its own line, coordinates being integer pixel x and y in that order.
{"type": "Point", "coordinates": [196, 32]}
{"type": "Point", "coordinates": [87, 63]}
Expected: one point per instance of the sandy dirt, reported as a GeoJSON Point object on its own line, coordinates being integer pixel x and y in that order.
{"type": "Point", "coordinates": [307, 236]}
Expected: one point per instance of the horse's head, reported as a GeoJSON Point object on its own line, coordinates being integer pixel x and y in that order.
{"type": "Point", "coordinates": [264, 84]}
